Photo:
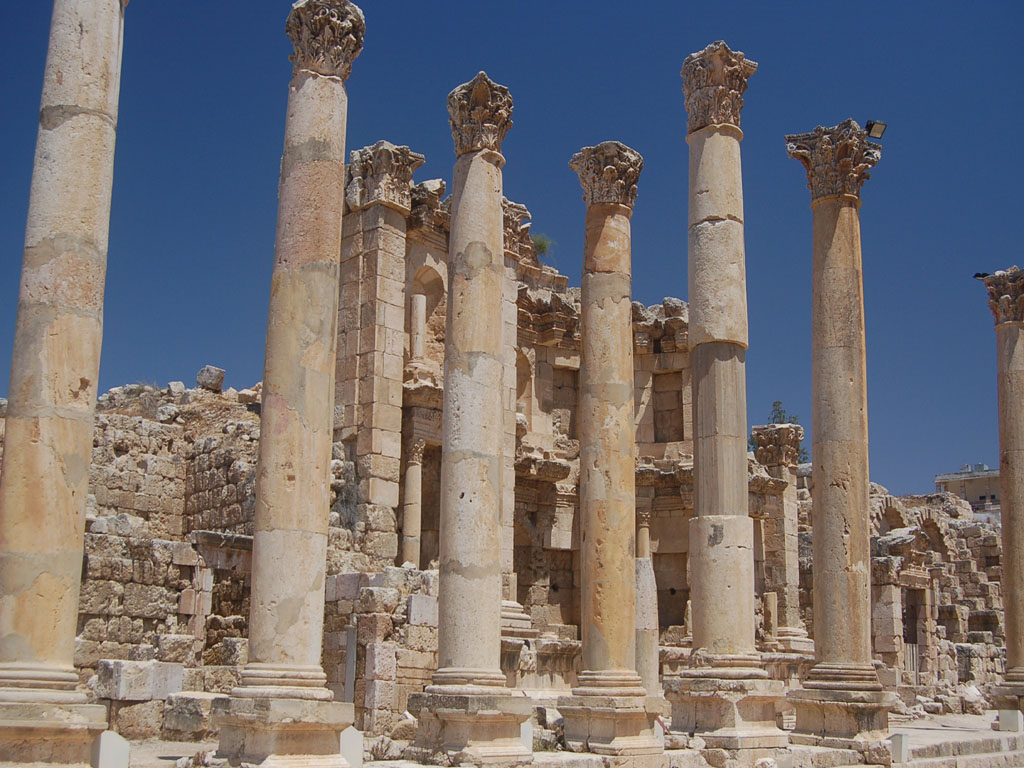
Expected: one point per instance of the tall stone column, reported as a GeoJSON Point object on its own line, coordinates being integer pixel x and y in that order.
{"type": "Point", "coordinates": [842, 697]}
{"type": "Point", "coordinates": [468, 709]}
{"type": "Point", "coordinates": [54, 370]}
{"type": "Point", "coordinates": [1006, 299]}
{"type": "Point", "coordinates": [607, 709]}
{"type": "Point", "coordinates": [778, 449]}
{"type": "Point", "coordinates": [725, 695]}
{"type": "Point", "coordinates": [418, 326]}
{"type": "Point", "coordinates": [412, 504]}
{"type": "Point", "coordinates": [282, 706]}
{"type": "Point", "coordinates": [648, 663]}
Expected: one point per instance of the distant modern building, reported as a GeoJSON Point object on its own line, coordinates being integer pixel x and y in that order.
{"type": "Point", "coordinates": [977, 484]}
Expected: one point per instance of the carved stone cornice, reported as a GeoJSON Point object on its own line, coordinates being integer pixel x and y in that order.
{"type": "Point", "coordinates": [714, 81]}
{"type": "Point", "coordinates": [381, 173]}
{"type": "Point", "coordinates": [608, 173]}
{"type": "Point", "coordinates": [480, 114]}
{"type": "Point", "coordinates": [1006, 295]}
{"type": "Point", "coordinates": [327, 36]}
{"type": "Point", "coordinates": [517, 231]}
{"type": "Point", "coordinates": [837, 159]}
{"type": "Point", "coordinates": [428, 209]}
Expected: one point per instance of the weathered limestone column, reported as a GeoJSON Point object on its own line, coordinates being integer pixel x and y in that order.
{"type": "Point", "coordinates": [467, 709]}
{"type": "Point", "coordinates": [842, 697]}
{"type": "Point", "coordinates": [1006, 299]}
{"type": "Point", "coordinates": [778, 449]}
{"type": "Point", "coordinates": [54, 370]}
{"type": "Point", "coordinates": [648, 664]}
{"type": "Point", "coordinates": [607, 709]}
{"type": "Point", "coordinates": [417, 326]}
{"type": "Point", "coordinates": [412, 503]}
{"type": "Point", "coordinates": [725, 696]}
{"type": "Point", "coordinates": [282, 706]}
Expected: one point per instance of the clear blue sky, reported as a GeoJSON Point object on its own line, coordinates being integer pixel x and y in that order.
{"type": "Point", "coordinates": [202, 113]}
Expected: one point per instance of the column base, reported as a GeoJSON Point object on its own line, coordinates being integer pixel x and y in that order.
{"type": "Point", "coordinates": [792, 640]}
{"type": "Point", "coordinates": [515, 621]}
{"type": "Point", "coordinates": [47, 732]}
{"type": "Point", "coordinates": [611, 725]}
{"type": "Point", "coordinates": [727, 713]}
{"type": "Point", "coordinates": [282, 732]}
{"type": "Point", "coordinates": [482, 728]}
{"type": "Point", "coordinates": [844, 719]}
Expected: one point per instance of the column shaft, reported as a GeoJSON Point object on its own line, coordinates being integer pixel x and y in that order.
{"type": "Point", "coordinates": [417, 326]}
{"type": "Point", "coordinates": [56, 355]}
{"type": "Point", "coordinates": [469, 603]}
{"type": "Point", "coordinates": [412, 505]}
{"type": "Point", "coordinates": [842, 614]}
{"type": "Point", "coordinates": [607, 476]}
{"type": "Point", "coordinates": [292, 489]}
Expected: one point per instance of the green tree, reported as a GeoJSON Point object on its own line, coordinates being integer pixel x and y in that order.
{"type": "Point", "coordinates": [543, 245]}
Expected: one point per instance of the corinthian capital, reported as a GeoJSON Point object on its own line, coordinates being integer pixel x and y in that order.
{"type": "Point", "coordinates": [1006, 295]}
{"type": "Point", "coordinates": [837, 159]}
{"type": "Point", "coordinates": [778, 444]}
{"type": "Point", "coordinates": [327, 35]}
{"type": "Point", "coordinates": [608, 173]}
{"type": "Point", "coordinates": [480, 114]}
{"type": "Point", "coordinates": [382, 174]}
{"type": "Point", "coordinates": [713, 84]}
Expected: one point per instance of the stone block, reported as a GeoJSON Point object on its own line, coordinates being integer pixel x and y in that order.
{"type": "Point", "coordinates": [380, 694]}
{"type": "Point", "coordinates": [137, 720]}
{"type": "Point", "coordinates": [210, 377]}
{"type": "Point", "coordinates": [234, 651]}
{"type": "Point", "coordinates": [110, 750]}
{"type": "Point", "coordinates": [422, 610]}
{"type": "Point", "coordinates": [179, 649]}
{"type": "Point", "coordinates": [377, 600]}
{"type": "Point", "coordinates": [121, 680]}
{"type": "Point", "coordinates": [186, 716]}
{"type": "Point", "coordinates": [381, 661]}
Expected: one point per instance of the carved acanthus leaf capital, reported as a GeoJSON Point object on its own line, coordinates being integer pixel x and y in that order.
{"type": "Point", "coordinates": [837, 159]}
{"type": "Point", "coordinates": [414, 451]}
{"type": "Point", "coordinates": [714, 81]}
{"type": "Point", "coordinates": [480, 114]}
{"type": "Point", "coordinates": [778, 444]}
{"type": "Point", "coordinates": [608, 173]}
{"type": "Point", "coordinates": [327, 36]}
{"type": "Point", "coordinates": [428, 206]}
{"type": "Point", "coordinates": [1006, 295]}
{"type": "Point", "coordinates": [381, 174]}
{"type": "Point", "coordinates": [643, 517]}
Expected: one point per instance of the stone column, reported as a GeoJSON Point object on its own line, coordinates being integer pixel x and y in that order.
{"type": "Point", "coordinates": [412, 504]}
{"type": "Point", "coordinates": [648, 663]}
{"type": "Point", "coordinates": [467, 709]}
{"type": "Point", "coordinates": [778, 449]}
{"type": "Point", "coordinates": [282, 706]}
{"type": "Point", "coordinates": [54, 370]}
{"type": "Point", "coordinates": [842, 697]}
{"type": "Point", "coordinates": [1006, 299]}
{"type": "Point", "coordinates": [607, 709]}
{"type": "Point", "coordinates": [417, 326]}
{"type": "Point", "coordinates": [725, 695]}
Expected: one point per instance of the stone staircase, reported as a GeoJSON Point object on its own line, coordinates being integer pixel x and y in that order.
{"type": "Point", "coordinates": [997, 751]}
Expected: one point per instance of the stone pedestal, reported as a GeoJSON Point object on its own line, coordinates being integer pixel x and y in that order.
{"type": "Point", "coordinates": [608, 711]}
{"type": "Point", "coordinates": [842, 697]}
{"type": "Point", "coordinates": [1006, 300]}
{"type": "Point", "coordinates": [282, 733]}
{"type": "Point", "coordinates": [728, 714]}
{"type": "Point", "coordinates": [477, 728]}
{"type": "Point", "coordinates": [54, 371]}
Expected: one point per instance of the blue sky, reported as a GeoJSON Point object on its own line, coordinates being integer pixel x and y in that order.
{"type": "Point", "coordinates": [203, 92]}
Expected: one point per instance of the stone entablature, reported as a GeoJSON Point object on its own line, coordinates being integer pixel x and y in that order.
{"type": "Point", "coordinates": [381, 173]}
{"type": "Point", "coordinates": [327, 35]}
{"type": "Point", "coordinates": [838, 159]}
{"type": "Point", "coordinates": [480, 114]}
{"type": "Point", "coordinates": [714, 81]}
{"type": "Point", "coordinates": [1005, 294]}
{"type": "Point", "coordinates": [778, 444]}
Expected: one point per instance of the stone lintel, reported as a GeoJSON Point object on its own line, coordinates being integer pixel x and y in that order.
{"type": "Point", "coordinates": [287, 731]}
{"type": "Point", "coordinates": [612, 725]}
{"type": "Point", "coordinates": [714, 81]}
{"type": "Point", "coordinates": [837, 159]}
{"type": "Point", "coordinates": [327, 36]}
{"type": "Point", "coordinates": [728, 713]}
{"type": "Point", "coordinates": [480, 114]}
{"type": "Point", "coordinates": [382, 173]}
{"type": "Point", "coordinates": [49, 733]}
{"type": "Point", "coordinates": [608, 173]}
{"type": "Point", "coordinates": [477, 728]}
{"type": "Point", "coordinates": [1005, 294]}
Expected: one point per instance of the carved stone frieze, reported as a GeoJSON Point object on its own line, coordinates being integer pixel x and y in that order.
{"type": "Point", "coordinates": [837, 159]}
{"type": "Point", "coordinates": [381, 173]}
{"type": "Point", "coordinates": [1006, 295]}
{"type": "Point", "coordinates": [608, 173]}
{"type": "Point", "coordinates": [517, 231]}
{"type": "Point", "coordinates": [714, 81]}
{"type": "Point", "coordinates": [429, 210]}
{"type": "Point", "coordinates": [480, 114]}
{"type": "Point", "coordinates": [778, 444]}
{"type": "Point", "coordinates": [327, 36]}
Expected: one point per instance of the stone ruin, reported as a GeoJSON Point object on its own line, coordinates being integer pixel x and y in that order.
{"type": "Point", "coordinates": [492, 515]}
